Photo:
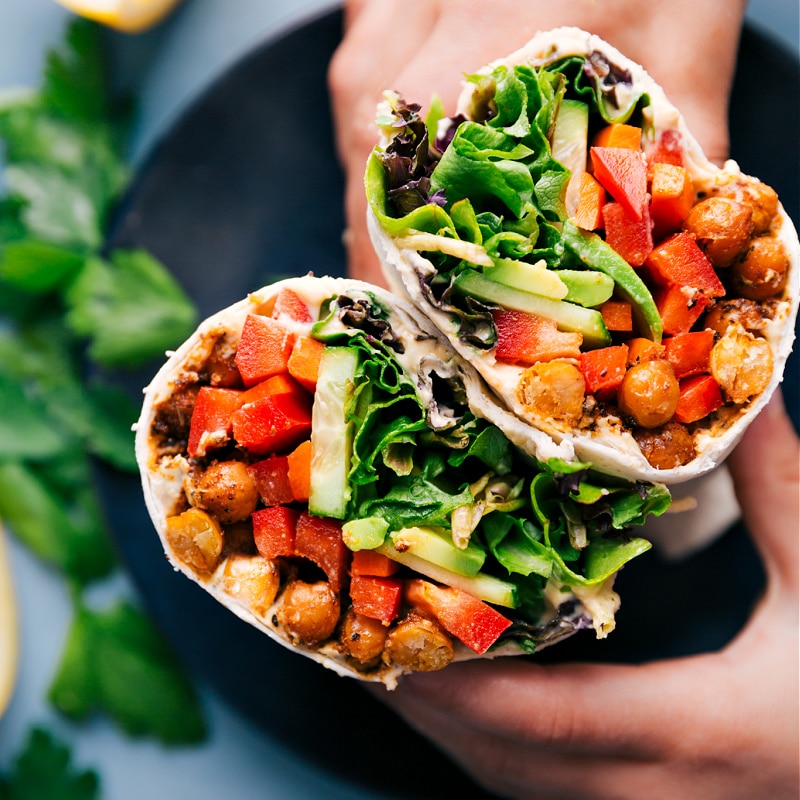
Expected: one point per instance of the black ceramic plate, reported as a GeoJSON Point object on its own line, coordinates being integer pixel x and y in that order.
{"type": "Point", "coordinates": [245, 189]}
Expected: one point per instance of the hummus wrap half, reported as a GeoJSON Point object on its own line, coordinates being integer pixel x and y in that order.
{"type": "Point", "coordinates": [567, 235]}
{"type": "Point", "coordinates": [319, 460]}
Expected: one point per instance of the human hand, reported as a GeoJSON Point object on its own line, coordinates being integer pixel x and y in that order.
{"type": "Point", "coordinates": [418, 50]}
{"type": "Point", "coordinates": [715, 725]}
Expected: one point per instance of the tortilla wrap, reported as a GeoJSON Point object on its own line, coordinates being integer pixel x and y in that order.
{"type": "Point", "coordinates": [404, 463]}
{"type": "Point", "coordinates": [430, 226]}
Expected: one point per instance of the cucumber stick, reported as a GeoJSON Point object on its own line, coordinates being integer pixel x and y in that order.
{"type": "Point", "coordinates": [332, 433]}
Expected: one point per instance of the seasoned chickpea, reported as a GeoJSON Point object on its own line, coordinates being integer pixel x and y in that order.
{"type": "Point", "coordinates": [763, 271]}
{"type": "Point", "coordinates": [666, 447]}
{"type": "Point", "coordinates": [253, 580]}
{"type": "Point", "coordinates": [419, 644]}
{"type": "Point", "coordinates": [741, 364]}
{"type": "Point", "coordinates": [750, 315]}
{"type": "Point", "coordinates": [225, 490]}
{"type": "Point", "coordinates": [195, 539]}
{"type": "Point", "coordinates": [308, 612]}
{"type": "Point", "coordinates": [363, 637]}
{"type": "Point", "coordinates": [722, 228]}
{"type": "Point", "coordinates": [649, 393]}
{"type": "Point", "coordinates": [762, 200]}
{"type": "Point", "coordinates": [553, 390]}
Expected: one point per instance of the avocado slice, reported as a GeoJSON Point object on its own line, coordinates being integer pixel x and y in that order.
{"type": "Point", "coordinates": [535, 278]}
{"type": "Point", "coordinates": [438, 548]}
{"type": "Point", "coordinates": [568, 316]}
{"type": "Point", "coordinates": [586, 287]}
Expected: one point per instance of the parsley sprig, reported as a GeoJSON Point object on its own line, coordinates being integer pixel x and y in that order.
{"type": "Point", "coordinates": [72, 316]}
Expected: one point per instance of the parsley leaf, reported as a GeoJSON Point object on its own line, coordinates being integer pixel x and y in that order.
{"type": "Point", "coordinates": [116, 660]}
{"type": "Point", "coordinates": [43, 770]}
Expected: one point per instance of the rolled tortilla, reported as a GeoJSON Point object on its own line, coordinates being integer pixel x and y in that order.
{"type": "Point", "coordinates": [377, 520]}
{"type": "Point", "coordinates": [423, 224]}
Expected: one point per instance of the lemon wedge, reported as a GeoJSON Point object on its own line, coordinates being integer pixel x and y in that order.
{"type": "Point", "coordinates": [8, 629]}
{"type": "Point", "coordinates": [129, 16]}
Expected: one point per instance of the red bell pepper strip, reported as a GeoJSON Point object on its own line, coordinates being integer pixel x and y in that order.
{"type": "Point", "coordinates": [591, 198]}
{"type": "Point", "coordinates": [623, 173]}
{"type": "Point", "coordinates": [377, 598]}
{"type": "Point", "coordinates": [320, 540]}
{"type": "Point", "coordinates": [632, 238]}
{"type": "Point", "coordinates": [274, 531]}
{"type": "Point", "coordinates": [288, 304]}
{"type": "Point", "coordinates": [528, 338]}
{"type": "Point", "coordinates": [303, 364]}
{"type": "Point", "coordinates": [679, 261]}
{"type": "Point", "coordinates": [603, 369]}
{"type": "Point", "coordinates": [679, 309]}
{"type": "Point", "coordinates": [210, 426]}
{"type": "Point", "coordinates": [671, 197]}
{"type": "Point", "coordinates": [700, 395]}
{"type": "Point", "coordinates": [264, 349]}
{"type": "Point", "coordinates": [618, 134]}
{"type": "Point", "coordinates": [299, 461]}
{"type": "Point", "coordinates": [271, 477]}
{"type": "Point", "coordinates": [280, 384]}
{"type": "Point", "coordinates": [689, 352]}
{"type": "Point", "coordinates": [617, 315]}
{"type": "Point", "coordinates": [272, 424]}
{"type": "Point", "coordinates": [368, 562]}
{"type": "Point", "coordinates": [469, 619]}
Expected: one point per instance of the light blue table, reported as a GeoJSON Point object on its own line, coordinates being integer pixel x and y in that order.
{"type": "Point", "coordinates": [171, 67]}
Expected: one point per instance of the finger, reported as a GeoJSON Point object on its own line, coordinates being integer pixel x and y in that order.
{"type": "Point", "coordinates": [765, 468]}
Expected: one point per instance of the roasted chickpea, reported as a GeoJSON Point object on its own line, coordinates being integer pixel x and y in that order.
{"type": "Point", "coordinates": [724, 314]}
{"type": "Point", "coordinates": [225, 490]}
{"type": "Point", "coordinates": [763, 271]}
{"type": "Point", "coordinates": [762, 200]}
{"type": "Point", "coordinates": [363, 637]}
{"type": "Point", "coordinates": [253, 580]}
{"type": "Point", "coordinates": [649, 393]}
{"type": "Point", "coordinates": [419, 644]}
{"type": "Point", "coordinates": [722, 228]}
{"type": "Point", "coordinates": [195, 539]}
{"type": "Point", "coordinates": [553, 390]}
{"type": "Point", "coordinates": [666, 447]}
{"type": "Point", "coordinates": [741, 364]}
{"type": "Point", "coordinates": [308, 612]}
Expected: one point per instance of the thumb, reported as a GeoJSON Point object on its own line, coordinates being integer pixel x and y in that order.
{"type": "Point", "coordinates": [765, 468]}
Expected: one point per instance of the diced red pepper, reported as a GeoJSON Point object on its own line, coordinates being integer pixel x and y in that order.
{"type": "Point", "coordinates": [271, 477]}
{"type": "Point", "coordinates": [304, 361]}
{"type": "Point", "coordinates": [264, 349]}
{"type": "Point", "coordinates": [469, 619]}
{"type": "Point", "coordinates": [679, 308]}
{"type": "Point", "coordinates": [274, 531]}
{"type": "Point", "coordinates": [272, 424]}
{"type": "Point", "coordinates": [617, 315]}
{"type": "Point", "coordinates": [671, 197]}
{"type": "Point", "coordinates": [288, 304]}
{"type": "Point", "coordinates": [668, 149]}
{"type": "Point", "coordinates": [623, 173]}
{"type": "Point", "coordinates": [679, 261]}
{"type": "Point", "coordinates": [591, 198]}
{"type": "Point", "coordinates": [280, 384]}
{"type": "Point", "coordinates": [700, 395]}
{"type": "Point", "coordinates": [603, 369]}
{"type": "Point", "coordinates": [300, 471]}
{"type": "Point", "coordinates": [320, 540]}
{"type": "Point", "coordinates": [368, 562]}
{"type": "Point", "coordinates": [632, 238]}
{"type": "Point", "coordinates": [641, 349]}
{"type": "Point", "coordinates": [689, 352]}
{"type": "Point", "coordinates": [377, 598]}
{"type": "Point", "coordinates": [528, 338]}
{"type": "Point", "coordinates": [210, 426]}
{"type": "Point", "coordinates": [618, 134]}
